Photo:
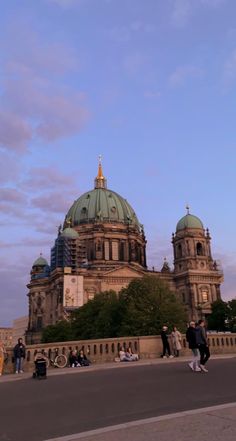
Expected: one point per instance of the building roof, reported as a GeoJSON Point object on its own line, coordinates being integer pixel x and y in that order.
{"type": "Point", "coordinates": [189, 221]}
{"type": "Point", "coordinates": [101, 205]}
{"type": "Point", "coordinates": [40, 261]}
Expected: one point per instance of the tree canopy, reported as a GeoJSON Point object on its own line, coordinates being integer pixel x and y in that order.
{"type": "Point", "coordinates": [140, 309]}
{"type": "Point", "coordinates": [223, 316]}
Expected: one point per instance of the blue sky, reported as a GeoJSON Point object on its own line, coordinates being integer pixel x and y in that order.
{"type": "Point", "coordinates": [151, 86]}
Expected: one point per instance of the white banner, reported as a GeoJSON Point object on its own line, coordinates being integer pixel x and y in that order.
{"type": "Point", "coordinates": [73, 292]}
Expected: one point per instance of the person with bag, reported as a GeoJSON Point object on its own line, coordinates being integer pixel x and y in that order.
{"type": "Point", "coordinates": [19, 355]}
{"type": "Point", "coordinates": [82, 359]}
{"type": "Point", "coordinates": [176, 341]}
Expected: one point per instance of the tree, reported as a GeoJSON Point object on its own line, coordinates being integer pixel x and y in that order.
{"type": "Point", "coordinates": [147, 305]}
{"type": "Point", "coordinates": [61, 331]}
{"type": "Point", "coordinates": [218, 319]}
{"type": "Point", "coordinates": [99, 318]}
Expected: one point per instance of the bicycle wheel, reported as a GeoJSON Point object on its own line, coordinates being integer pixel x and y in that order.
{"type": "Point", "coordinates": [61, 361]}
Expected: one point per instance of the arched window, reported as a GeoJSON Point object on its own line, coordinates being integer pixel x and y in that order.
{"type": "Point", "coordinates": [179, 250]}
{"type": "Point", "coordinates": [199, 249]}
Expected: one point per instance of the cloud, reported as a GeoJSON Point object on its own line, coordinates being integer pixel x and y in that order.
{"type": "Point", "coordinates": [12, 195]}
{"type": "Point", "coordinates": [123, 34]}
{"type": "Point", "coordinates": [35, 103]}
{"type": "Point", "coordinates": [183, 73]}
{"type": "Point", "coordinates": [45, 178]}
{"type": "Point", "coordinates": [15, 132]}
{"type": "Point", "coordinates": [134, 63]}
{"type": "Point", "coordinates": [55, 202]}
{"type": "Point", "coordinates": [10, 169]}
{"type": "Point", "coordinates": [183, 10]}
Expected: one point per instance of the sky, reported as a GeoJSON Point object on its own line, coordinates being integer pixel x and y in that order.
{"type": "Point", "coordinates": [151, 86]}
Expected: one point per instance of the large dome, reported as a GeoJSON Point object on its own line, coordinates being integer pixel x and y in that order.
{"type": "Point", "coordinates": [101, 205]}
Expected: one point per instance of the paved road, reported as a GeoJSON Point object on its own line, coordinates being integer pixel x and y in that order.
{"type": "Point", "coordinates": [32, 410]}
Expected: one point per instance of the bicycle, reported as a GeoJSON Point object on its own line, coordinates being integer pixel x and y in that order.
{"type": "Point", "coordinates": [59, 361]}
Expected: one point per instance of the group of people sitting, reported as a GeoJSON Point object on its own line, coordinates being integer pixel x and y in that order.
{"type": "Point", "coordinates": [127, 354]}
{"type": "Point", "coordinates": [78, 358]}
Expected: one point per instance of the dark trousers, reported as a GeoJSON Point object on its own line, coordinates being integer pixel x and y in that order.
{"type": "Point", "coordinates": [166, 348]}
{"type": "Point", "coordinates": [204, 354]}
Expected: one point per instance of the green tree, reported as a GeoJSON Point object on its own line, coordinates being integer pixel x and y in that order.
{"type": "Point", "coordinates": [147, 304]}
{"type": "Point", "coordinates": [219, 317]}
{"type": "Point", "coordinates": [98, 318]}
{"type": "Point", "coordinates": [232, 315]}
{"type": "Point", "coordinates": [62, 331]}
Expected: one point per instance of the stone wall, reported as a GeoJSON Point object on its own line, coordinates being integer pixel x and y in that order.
{"type": "Point", "coordinates": [106, 350]}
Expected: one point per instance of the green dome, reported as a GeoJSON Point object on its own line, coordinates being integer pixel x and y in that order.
{"type": "Point", "coordinates": [70, 233]}
{"type": "Point", "coordinates": [40, 262]}
{"type": "Point", "coordinates": [189, 221]}
{"type": "Point", "coordinates": [102, 205]}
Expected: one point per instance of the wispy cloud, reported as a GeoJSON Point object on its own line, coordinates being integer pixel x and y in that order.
{"type": "Point", "coordinates": [183, 10]}
{"type": "Point", "coordinates": [35, 104]}
{"type": "Point", "coordinates": [183, 73]}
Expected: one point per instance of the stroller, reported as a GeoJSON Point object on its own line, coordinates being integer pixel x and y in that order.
{"type": "Point", "coordinates": [40, 368]}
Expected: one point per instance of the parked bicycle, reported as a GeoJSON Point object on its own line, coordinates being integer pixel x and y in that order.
{"type": "Point", "coordinates": [55, 360]}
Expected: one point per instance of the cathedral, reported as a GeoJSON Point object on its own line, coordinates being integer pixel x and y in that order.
{"type": "Point", "coordinates": [102, 246]}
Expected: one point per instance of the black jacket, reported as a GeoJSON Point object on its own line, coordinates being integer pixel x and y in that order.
{"type": "Point", "coordinates": [164, 336]}
{"type": "Point", "coordinates": [191, 338]}
{"type": "Point", "coordinates": [19, 351]}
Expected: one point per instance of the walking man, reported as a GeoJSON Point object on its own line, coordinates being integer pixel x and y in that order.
{"type": "Point", "coordinates": [192, 343]}
{"type": "Point", "coordinates": [19, 355]}
{"type": "Point", "coordinates": [201, 336]}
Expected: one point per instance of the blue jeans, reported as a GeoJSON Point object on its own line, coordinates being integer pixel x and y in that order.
{"type": "Point", "coordinates": [19, 364]}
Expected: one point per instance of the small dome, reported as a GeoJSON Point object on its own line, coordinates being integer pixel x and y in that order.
{"type": "Point", "coordinates": [189, 221]}
{"type": "Point", "coordinates": [40, 262]}
{"type": "Point", "coordinates": [70, 233]}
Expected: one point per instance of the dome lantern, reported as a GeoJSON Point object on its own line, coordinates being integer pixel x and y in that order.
{"type": "Point", "coordinates": [100, 181]}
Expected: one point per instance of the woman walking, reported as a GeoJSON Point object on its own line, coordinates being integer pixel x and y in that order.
{"type": "Point", "coordinates": [2, 356]}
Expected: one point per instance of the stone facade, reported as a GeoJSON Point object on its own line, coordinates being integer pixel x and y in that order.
{"type": "Point", "coordinates": [102, 246]}
{"type": "Point", "coordinates": [6, 336]}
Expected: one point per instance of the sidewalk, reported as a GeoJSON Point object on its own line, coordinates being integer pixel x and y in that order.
{"type": "Point", "coordinates": [111, 365]}
{"type": "Point", "coordinates": [214, 423]}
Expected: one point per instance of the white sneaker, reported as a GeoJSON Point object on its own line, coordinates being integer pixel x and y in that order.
{"type": "Point", "coordinates": [191, 366]}
{"type": "Point", "coordinates": [17, 372]}
{"type": "Point", "coordinates": [203, 368]}
{"type": "Point", "coordinates": [73, 365]}
{"type": "Point", "coordinates": [197, 369]}
{"type": "Point", "coordinates": [171, 356]}
{"type": "Point", "coordinates": [164, 356]}
{"type": "Point", "coordinates": [21, 372]}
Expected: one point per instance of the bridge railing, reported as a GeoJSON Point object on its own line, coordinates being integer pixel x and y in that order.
{"type": "Point", "coordinates": [106, 350]}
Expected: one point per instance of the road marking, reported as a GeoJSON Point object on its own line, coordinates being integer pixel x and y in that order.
{"type": "Point", "coordinates": [170, 416]}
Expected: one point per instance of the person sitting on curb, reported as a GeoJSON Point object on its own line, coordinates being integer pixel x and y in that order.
{"type": "Point", "coordinates": [129, 353]}
{"type": "Point", "coordinates": [73, 358]}
{"type": "Point", "coordinates": [82, 359]}
{"type": "Point", "coordinates": [124, 355]}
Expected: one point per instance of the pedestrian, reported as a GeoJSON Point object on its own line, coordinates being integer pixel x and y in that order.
{"type": "Point", "coordinates": [19, 355]}
{"type": "Point", "coordinates": [192, 343]}
{"type": "Point", "coordinates": [176, 341]}
{"type": "Point", "coordinates": [165, 342]}
{"type": "Point", "coordinates": [2, 356]}
{"type": "Point", "coordinates": [201, 336]}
